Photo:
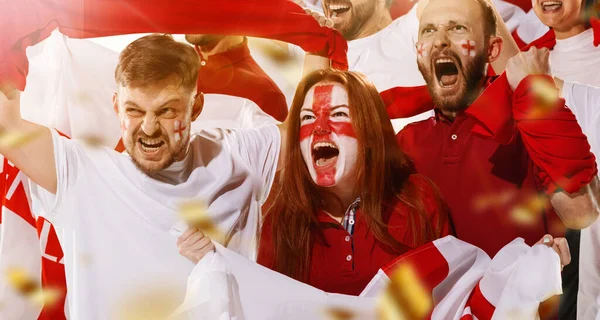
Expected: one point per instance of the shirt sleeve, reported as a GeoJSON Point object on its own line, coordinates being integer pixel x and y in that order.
{"type": "Point", "coordinates": [66, 156]}
{"type": "Point", "coordinates": [584, 102]}
{"type": "Point", "coordinates": [259, 148]}
{"type": "Point", "coordinates": [407, 28]}
{"type": "Point", "coordinates": [255, 117]}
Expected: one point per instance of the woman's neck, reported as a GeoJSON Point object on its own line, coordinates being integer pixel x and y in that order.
{"type": "Point", "coordinates": [337, 205]}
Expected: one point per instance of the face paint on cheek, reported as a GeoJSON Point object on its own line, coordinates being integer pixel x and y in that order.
{"type": "Point", "coordinates": [422, 50]}
{"type": "Point", "coordinates": [179, 130]}
{"type": "Point", "coordinates": [467, 47]}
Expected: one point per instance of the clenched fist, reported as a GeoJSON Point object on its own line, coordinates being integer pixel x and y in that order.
{"type": "Point", "coordinates": [321, 19]}
{"type": "Point", "coordinates": [194, 245]}
{"type": "Point", "coordinates": [560, 246]}
{"type": "Point", "coordinates": [534, 61]}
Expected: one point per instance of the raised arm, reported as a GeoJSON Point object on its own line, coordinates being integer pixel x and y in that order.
{"type": "Point", "coordinates": [567, 167]}
{"type": "Point", "coordinates": [27, 145]}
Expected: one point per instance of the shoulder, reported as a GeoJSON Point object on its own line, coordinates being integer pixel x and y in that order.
{"type": "Point", "coordinates": [415, 131]}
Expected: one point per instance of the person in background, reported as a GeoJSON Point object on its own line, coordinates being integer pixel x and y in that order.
{"type": "Point", "coordinates": [227, 68]}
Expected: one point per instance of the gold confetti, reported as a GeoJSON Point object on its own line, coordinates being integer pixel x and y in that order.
{"type": "Point", "coordinates": [31, 289]}
{"type": "Point", "coordinates": [493, 200]}
{"type": "Point", "coordinates": [18, 139]}
{"type": "Point", "coordinates": [195, 214]}
{"type": "Point", "coordinates": [338, 314]}
{"type": "Point", "coordinates": [93, 141]}
{"type": "Point", "coordinates": [151, 304]}
{"type": "Point", "coordinates": [530, 210]}
{"type": "Point", "coordinates": [546, 95]}
{"type": "Point", "coordinates": [277, 52]}
{"type": "Point", "coordinates": [406, 297]}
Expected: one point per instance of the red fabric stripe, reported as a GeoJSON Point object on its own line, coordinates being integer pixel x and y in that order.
{"type": "Point", "coordinates": [28, 22]}
{"type": "Point", "coordinates": [480, 306]}
{"type": "Point", "coordinates": [432, 266]}
{"type": "Point", "coordinates": [405, 102]}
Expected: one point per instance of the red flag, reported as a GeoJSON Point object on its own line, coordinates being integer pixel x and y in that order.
{"type": "Point", "coordinates": [27, 22]}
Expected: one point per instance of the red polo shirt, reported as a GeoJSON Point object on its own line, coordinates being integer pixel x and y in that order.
{"type": "Point", "coordinates": [489, 187]}
{"type": "Point", "coordinates": [346, 264]}
{"type": "Point", "coordinates": [235, 73]}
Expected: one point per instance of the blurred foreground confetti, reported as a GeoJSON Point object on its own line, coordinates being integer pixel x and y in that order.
{"type": "Point", "coordinates": [31, 289]}
{"type": "Point", "coordinates": [338, 314]}
{"type": "Point", "coordinates": [528, 212]}
{"type": "Point", "coordinates": [151, 304]}
{"type": "Point", "coordinates": [546, 96]}
{"type": "Point", "coordinates": [195, 214]}
{"type": "Point", "coordinates": [18, 139]}
{"type": "Point", "coordinates": [406, 298]}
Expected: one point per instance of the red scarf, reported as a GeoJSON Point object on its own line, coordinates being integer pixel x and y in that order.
{"type": "Point", "coordinates": [27, 22]}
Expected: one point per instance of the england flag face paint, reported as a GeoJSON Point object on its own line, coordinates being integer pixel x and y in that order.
{"type": "Point", "coordinates": [178, 130]}
{"type": "Point", "coordinates": [422, 50]}
{"type": "Point", "coordinates": [467, 47]}
{"type": "Point", "coordinates": [327, 139]}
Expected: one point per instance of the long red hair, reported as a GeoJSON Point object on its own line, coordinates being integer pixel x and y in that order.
{"type": "Point", "coordinates": [382, 177]}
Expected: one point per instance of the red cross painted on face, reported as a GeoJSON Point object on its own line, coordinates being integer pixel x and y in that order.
{"type": "Point", "coordinates": [421, 50]}
{"type": "Point", "coordinates": [323, 100]}
{"type": "Point", "coordinates": [468, 47]}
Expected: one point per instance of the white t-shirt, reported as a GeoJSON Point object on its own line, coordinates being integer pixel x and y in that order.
{"type": "Point", "coordinates": [584, 101]}
{"type": "Point", "coordinates": [576, 59]}
{"type": "Point", "coordinates": [223, 111]}
{"type": "Point", "coordinates": [118, 227]}
{"type": "Point", "coordinates": [389, 59]}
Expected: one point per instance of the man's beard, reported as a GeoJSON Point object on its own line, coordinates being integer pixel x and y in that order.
{"type": "Point", "coordinates": [359, 16]}
{"type": "Point", "coordinates": [172, 157]}
{"type": "Point", "coordinates": [469, 90]}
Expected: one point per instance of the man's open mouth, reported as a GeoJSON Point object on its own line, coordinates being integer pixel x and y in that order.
{"type": "Point", "coordinates": [551, 6]}
{"type": "Point", "coordinates": [150, 145]}
{"type": "Point", "coordinates": [324, 153]}
{"type": "Point", "coordinates": [337, 9]}
{"type": "Point", "coordinates": [446, 71]}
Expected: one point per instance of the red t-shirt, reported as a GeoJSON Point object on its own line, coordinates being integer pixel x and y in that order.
{"type": "Point", "coordinates": [347, 263]}
{"type": "Point", "coordinates": [235, 73]}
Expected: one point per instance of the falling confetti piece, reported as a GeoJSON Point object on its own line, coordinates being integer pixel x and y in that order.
{"type": "Point", "coordinates": [388, 308]}
{"type": "Point", "coordinates": [151, 304]}
{"type": "Point", "coordinates": [195, 214]}
{"type": "Point", "coordinates": [18, 139]}
{"type": "Point", "coordinates": [529, 212]}
{"type": "Point", "coordinates": [93, 141]}
{"type": "Point", "coordinates": [338, 314]}
{"type": "Point", "coordinates": [548, 309]}
{"type": "Point", "coordinates": [31, 289]}
{"type": "Point", "coordinates": [493, 200]}
{"type": "Point", "coordinates": [408, 297]}
{"type": "Point", "coordinates": [546, 95]}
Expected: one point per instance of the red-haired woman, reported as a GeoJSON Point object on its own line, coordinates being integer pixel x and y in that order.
{"type": "Point", "coordinates": [349, 201]}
